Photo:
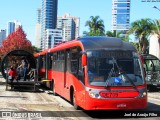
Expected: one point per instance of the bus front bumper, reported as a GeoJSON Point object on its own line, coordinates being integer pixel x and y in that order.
{"type": "Point", "coordinates": [116, 104]}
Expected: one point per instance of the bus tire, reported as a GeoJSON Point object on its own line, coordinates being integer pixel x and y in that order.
{"type": "Point", "coordinates": [73, 100]}
{"type": "Point", "coordinates": [54, 91]}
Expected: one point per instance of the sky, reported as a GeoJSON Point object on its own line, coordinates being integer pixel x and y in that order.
{"type": "Point", "coordinates": [25, 11]}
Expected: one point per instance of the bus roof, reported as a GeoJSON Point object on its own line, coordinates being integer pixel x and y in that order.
{"type": "Point", "coordinates": [92, 43]}
{"type": "Point", "coordinates": [103, 42]}
{"type": "Point", "coordinates": [41, 53]}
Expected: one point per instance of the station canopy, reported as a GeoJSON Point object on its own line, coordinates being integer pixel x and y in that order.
{"type": "Point", "coordinates": [14, 57]}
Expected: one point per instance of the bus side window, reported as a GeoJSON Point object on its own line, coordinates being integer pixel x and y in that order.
{"type": "Point", "coordinates": [54, 61]}
{"type": "Point", "coordinates": [61, 61]}
{"type": "Point", "coordinates": [43, 62]}
{"type": "Point", "coordinates": [50, 61]}
{"type": "Point", "coordinates": [74, 63]}
{"type": "Point", "coordinates": [74, 60]}
{"type": "Point", "coordinates": [80, 71]}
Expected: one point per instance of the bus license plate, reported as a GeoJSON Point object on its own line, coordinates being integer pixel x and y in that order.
{"type": "Point", "coordinates": [112, 95]}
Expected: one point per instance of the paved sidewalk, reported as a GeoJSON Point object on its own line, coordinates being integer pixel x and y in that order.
{"type": "Point", "coordinates": [155, 95]}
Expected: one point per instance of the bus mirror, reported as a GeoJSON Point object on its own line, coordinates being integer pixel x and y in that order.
{"type": "Point", "coordinates": [84, 59]}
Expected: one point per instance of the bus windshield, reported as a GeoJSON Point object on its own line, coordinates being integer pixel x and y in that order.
{"type": "Point", "coordinates": [114, 68]}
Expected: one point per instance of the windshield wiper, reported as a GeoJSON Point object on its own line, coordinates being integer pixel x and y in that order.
{"type": "Point", "coordinates": [121, 72]}
{"type": "Point", "coordinates": [132, 83]}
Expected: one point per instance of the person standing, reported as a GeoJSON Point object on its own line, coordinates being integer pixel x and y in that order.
{"type": "Point", "coordinates": [25, 67]}
{"type": "Point", "coordinates": [12, 74]}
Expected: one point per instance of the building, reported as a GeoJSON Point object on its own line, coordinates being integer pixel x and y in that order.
{"type": "Point", "coordinates": [120, 15]}
{"type": "Point", "coordinates": [53, 37]}
{"type": "Point", "coordinates": [17, 24]}
{"type": "Point", "coordinates": [2, 36]}
{"type": "Point", "coordinates": [69, 26]}
{"type": "Point", "coordinates": [49, 18]}
{"type": "Point", "coordinates": [39, 15]}
{"type": "Point", "coordinates": [154, 47]}
{"type": "Point", "coordinates": [38, 35]}
{"type": "Point", "coordinates": [38, 29]}
{"type": "Point", "coordinates": [12, 26]}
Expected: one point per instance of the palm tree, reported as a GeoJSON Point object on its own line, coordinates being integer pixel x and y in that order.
{"type": "Point", "coordinates": [117, 35]}
{"type": "Point", "coordinates": [113, 34]}
{"type": "Point", "coordinates": [136, 45]}
{"type": "Point", "coordinates": [96, 26]}
{"type": "Point", "coordinates": [142, 30]}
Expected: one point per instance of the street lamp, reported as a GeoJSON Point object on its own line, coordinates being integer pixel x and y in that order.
{"type": "Point", "coordinates": [156, 8]}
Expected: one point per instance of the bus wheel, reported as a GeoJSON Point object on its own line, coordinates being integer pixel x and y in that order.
{"type": "Point", "coordinates": [54, 91]}
{"type": "Point", "coordinates": [73, 101]}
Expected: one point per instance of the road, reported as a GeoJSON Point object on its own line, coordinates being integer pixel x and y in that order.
{"type": "Point", "coordinates": [43, 105]}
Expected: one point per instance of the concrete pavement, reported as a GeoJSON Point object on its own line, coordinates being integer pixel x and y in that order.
{"type": "Point", "coordinates": [155, 95]}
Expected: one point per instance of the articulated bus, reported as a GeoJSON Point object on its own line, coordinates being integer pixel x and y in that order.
{"type": "Point", "coordinates": [95, 73]}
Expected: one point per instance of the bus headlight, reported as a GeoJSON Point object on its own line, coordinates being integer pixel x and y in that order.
{"type": "Point", "coordinates": [143, 94]}
{"type": "Point", "coordinates": [93, 95]}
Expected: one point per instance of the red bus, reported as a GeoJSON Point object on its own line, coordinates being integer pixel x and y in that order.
{"type": "Point", "coordinates": [95, 73]}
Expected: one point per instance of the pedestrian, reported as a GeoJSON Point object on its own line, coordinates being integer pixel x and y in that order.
{"type": "Point", "coordinates": [25, 67]}
{"type": "Point", "coordinates": [12, 74]}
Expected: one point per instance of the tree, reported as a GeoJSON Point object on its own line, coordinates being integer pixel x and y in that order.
{"type": "Point", "coordinates": [136, 45]}
{"type": "Point", "coordinates": [142, 30]}
{"type": "Point", "coordinates": [16, 40]}
{"type": "Point", "coordinates": [36, 49]}
{"type": "Point", "coordinates": [117, 35]}
{"type": "Point", "coordinates": [96, 26]}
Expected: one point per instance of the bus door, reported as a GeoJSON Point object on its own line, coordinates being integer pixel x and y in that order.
{"type": "Point", "coordinates": [38, 64]}
{"type": "Point", "coordinates": [78, 75]}
{"type": "Point", "coordinates": [43, 67]}
{"type": "Point", "coordinates": [66, 70]}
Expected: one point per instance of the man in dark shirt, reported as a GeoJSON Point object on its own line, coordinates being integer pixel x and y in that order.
{"type": "Point", "coordinates": [25, 66]}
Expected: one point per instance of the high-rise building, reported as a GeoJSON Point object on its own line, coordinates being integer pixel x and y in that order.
{"type": "Point", "coordinates": [38, 29]}
{"type": "Point", "coordinates": [53, 37]}
{"type": "Point", "coordinates": [2, 36]}
{"type": "Point", "coordinates": [38, 35]}
{"type": "Point", "coordinates": [69, 26]}
{"type": "Point", "coordinates": [120, 15]}
{"type": "Point", "coordinates": [49, 18]}
{"type": "Point", "coordinates": [39, 15]}
{"type": "Point", "coordinates": [12, 26]}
